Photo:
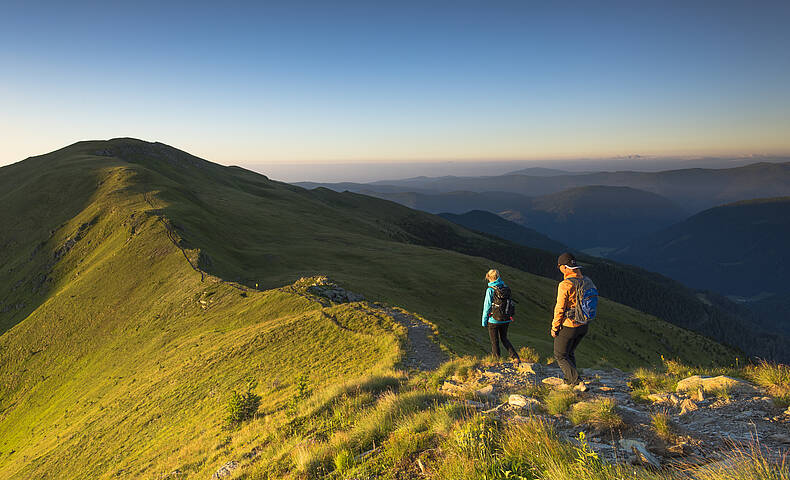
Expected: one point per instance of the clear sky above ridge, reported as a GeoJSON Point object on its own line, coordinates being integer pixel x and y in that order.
{"type": "Point", "coordinates": [312, 82]}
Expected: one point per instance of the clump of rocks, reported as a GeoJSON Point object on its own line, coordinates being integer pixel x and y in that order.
{"type": "Point", "coordinates": [707, 415]}
{"type": "Point", "coordinates": [322, 286]}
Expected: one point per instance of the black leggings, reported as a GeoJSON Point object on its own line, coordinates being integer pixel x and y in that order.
{"type": "Point", "coordinates": [497, 332]}
{"type": "Point", "coordinates": [565, 344]}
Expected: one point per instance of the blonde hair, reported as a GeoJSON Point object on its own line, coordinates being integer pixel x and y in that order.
{"type": "Point", "coordinates": [492, 275]}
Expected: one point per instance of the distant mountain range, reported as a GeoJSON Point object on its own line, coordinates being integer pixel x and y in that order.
{"type": "Point", "coordinates": [695, 189]}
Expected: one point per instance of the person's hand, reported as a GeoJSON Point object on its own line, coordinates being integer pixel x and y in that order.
{"type": "Point", "coordinates": [553, 332]}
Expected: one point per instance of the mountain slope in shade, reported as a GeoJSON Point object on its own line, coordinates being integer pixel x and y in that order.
{"type": "Point", "coordinates": [495, 225]}
{"type": "Point", "coordinates": [598, 216]}
{"type": "Point", "coordinates": [733, 249]}
{"type": "Point", "coordinates": [583, 217]}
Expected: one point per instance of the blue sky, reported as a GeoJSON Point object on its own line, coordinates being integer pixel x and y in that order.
{"type": "Point", "coordinates": [321, 82]}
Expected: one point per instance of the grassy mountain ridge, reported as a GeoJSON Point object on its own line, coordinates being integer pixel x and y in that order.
{"type": "Point", "coordinates": [135, 266]}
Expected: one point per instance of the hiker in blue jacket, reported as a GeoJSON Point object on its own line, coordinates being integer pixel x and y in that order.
{"type": "Point", "coordinates": [494, 317]}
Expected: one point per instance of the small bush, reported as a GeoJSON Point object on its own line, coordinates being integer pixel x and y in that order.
{"type": "Point", "coordinates": [599, 413]}
{"type": "Point", "coordinates": [558, 401]}
{"type": "Point", "coordinates": [242, 406]}
{"type": "Point", "coordinates": [302, 392]}
{"type": "Point", "coordinates": [528, 354]}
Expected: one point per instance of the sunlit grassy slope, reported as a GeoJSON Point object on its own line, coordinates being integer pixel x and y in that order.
{"type": "Point", "coordinates": [122, 335]}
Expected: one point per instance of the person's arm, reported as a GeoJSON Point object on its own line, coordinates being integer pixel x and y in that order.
{"type": "Point", "coordinates": [559, 309]}
{"type": "Point", "coordinates": [487, 305]}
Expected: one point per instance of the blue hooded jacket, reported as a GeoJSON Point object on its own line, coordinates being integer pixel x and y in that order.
{"type": "Point", "coordinates": [487, 303]}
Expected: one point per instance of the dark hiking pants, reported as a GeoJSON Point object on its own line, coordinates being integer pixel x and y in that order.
{"type": "Point", "coordinates": [497, 332]}
{"type": "Point", "coordinates": [565, 344]}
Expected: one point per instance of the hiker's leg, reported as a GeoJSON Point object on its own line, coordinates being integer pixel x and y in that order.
{"type": "Point", "coordinates": [493, 333]}
{"type": "Point", "coordinates": [562, 344]}
{"type": "Point", "coordinates": [578, 333]}
{"type": "Point", "coordinates": [506, 342]}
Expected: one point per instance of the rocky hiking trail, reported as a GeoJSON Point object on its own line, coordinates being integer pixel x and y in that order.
{"type": "Point", "coordinates": [422, 352]}
{"type": "Point", "coordinates": [704, 426]}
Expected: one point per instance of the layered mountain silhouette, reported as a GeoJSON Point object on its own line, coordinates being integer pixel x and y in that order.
{"type": "Point", "coordinates": [695, 189]}
{"type": "Point", "coordinates": [582, 217]}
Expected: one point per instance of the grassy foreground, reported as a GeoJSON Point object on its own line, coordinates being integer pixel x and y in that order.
{"type": "Point", "coordinates": [393, 427]}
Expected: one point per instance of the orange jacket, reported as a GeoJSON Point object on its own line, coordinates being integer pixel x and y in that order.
{"type": "Point", "coordinates": [566, 300]}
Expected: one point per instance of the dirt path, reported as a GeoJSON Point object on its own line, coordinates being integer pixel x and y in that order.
{"type": "Point", "coordinates": [422, 353]}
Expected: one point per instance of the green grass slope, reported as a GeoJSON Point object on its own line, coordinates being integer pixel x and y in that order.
{"type": "Point", "coordinates": [123, 331]}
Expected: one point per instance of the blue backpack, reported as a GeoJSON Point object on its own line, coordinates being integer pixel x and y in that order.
{"type": "Point", "coordinates": [586, 300]}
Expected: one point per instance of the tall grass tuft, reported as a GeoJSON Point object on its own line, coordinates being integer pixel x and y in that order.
{"type": "Point", "coordinates": [745, 463]}
{"type": "Point", "coordinates": [775, 378]}
{"type": "Point", "coordinates": [600, 413]}
{"type": "Point", "coordinates": [662, 426]}
{"type": "Point", "coordinates": [528, 354]}
{"type": "Point", "coordinates": [558, 401]}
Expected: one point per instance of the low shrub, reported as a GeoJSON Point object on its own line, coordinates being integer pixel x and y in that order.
{"type": "Point", "coordinates": [242, 406]}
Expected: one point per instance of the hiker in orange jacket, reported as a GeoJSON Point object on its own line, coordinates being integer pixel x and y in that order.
{"type": "Point", "coordinates": [566, 332]}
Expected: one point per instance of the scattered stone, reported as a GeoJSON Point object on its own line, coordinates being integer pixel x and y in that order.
{"type": "Point", "coordinates": [605, 388]}
{"type": "Point", "coordinates": [659, 397]}
{"type": "Point", "coordinates": [581, 387]}
{"type": "Point", "coordinates": [452, 388]}
{"type": "Point", "coordinates": [627, 443]}
{"type": "Point", "coordinates": [516, 400]}
{"type": "Point", "coordinates": [780, 437]}
{"type": "Point", "coordinates": [712, 384]}
{"type": "Point", "coordinates": [529, 368]}
{"type": "Point", "coordinates": [553, 381]}
{"type": "Point", "coordinates": [687, 406]}
{"type": "Point", "coordinates": [646, 457]}
{"type": "Point", "coordinates": [485, 391]}
{"type": "Point", "coordinates": [700, 395]}
{"type": "Point", "coordinates": [225, 470]}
